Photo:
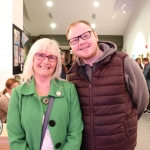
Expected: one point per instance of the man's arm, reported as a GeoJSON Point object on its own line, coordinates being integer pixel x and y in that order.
{"type": "Point", "coordinates": [136, 85]}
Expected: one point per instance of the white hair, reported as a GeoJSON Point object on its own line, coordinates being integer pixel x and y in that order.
{"type": "Point", "coordinates": [41, 45]}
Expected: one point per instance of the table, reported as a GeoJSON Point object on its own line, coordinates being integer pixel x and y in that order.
{"type": "Point", "coordinates": [4, 144]}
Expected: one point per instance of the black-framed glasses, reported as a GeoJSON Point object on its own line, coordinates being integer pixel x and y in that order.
{"type": "Point", "coordinates": [41, 56]}
{"type": "Point", "coordinates": [83, 36]}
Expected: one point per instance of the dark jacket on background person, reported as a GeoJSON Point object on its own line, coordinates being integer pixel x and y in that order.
{"type": "Point", "coordinates": [63, 72]}
{"type": "Point", "coordinates": [110, 103]}
{"type": "Point", "coordinates": [145, 71]}
{"type": "Point", "coordinates": [69, 65]}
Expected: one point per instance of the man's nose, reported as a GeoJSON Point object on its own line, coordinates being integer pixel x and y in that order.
{"type": "Point", "coordinates": [80, 39]}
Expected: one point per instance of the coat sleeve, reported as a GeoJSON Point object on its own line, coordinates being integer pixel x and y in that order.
{"type": "Point", "coordinates": [136, 85]}
{"type": "Point", "coordinates": [74, 136]}
{"type": "Point", "coordinates": [16, 134]}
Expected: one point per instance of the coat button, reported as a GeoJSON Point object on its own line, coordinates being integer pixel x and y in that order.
{"type": "Point", "coordinates": [45, 100]}
{"type": "Point", "coordinates": [52, 123]}
{"type": "Point", "coordinates": [58, 93]}
{"type": "Point", "coordinates": [57, 145]}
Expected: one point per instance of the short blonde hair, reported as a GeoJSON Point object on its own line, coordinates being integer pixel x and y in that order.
{"type": "Point", "coordinates": [77, 22]}
{"type": "Point", "coordinates": [41, 45]}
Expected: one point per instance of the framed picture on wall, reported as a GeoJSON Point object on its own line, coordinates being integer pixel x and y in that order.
{"type": "Point", "coordinates": [141, 57]}
{"type": "Point", "coordinates": [148, 55]}
{"type": "Point", "coordinates": [17, 53]}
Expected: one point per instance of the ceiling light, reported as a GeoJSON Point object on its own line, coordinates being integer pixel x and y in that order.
{"type": "Point", "coordinates": [96, 4]}
{"type": "Point", "coordinates": [124, 11]}
{"type": "Point", "coordinates": [49, 3]}
{"type": "Point", "coordinates": [121, 9]}
{"type": "Point", "coordinates": [53, 25]}
{"type": "Point", "coordinates": [93, 25]}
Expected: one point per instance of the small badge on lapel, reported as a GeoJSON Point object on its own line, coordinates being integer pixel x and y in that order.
{"type": "Point", "coordinates": [58, 93]}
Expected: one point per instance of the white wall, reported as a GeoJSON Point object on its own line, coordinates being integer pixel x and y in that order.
{"type": "Point", "coordinates": [10, 12]}
{"type": "Point", "coordinates": [5, 41]}
{"type": "Point", "coordinates": [18, 13]}
{"type": "Point", "coordinates": [137, 35]}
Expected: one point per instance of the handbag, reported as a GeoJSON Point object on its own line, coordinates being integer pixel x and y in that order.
{"type": "Point", "coordinates": [48, 110]}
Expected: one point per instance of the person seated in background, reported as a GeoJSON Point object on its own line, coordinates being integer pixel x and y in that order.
{"type": "Point", "coordinates": [145, 71]}
{"type": "Point", "coordinates": [4, 99]}
{"type": "Point", "coordinates": [64, 69]}
{"type": "Point", "coordinates": [138, 60]}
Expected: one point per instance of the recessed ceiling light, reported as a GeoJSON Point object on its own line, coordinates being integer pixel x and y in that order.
{"type": "Point", "coordinates": [93, 25]}
{"type": "Point", "coordinates": [124, 12]}
{"type": "Point", "coordinates": [49, 3]}
{"type": "Point", "coordinates": [53, 25]}
{"type": "Point", "coordinates": [96, 4]}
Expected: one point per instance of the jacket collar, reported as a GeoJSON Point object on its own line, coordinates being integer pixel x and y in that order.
{"type": "Point", "coordinates": [56, 88]}
{"type": "Point", "coordinates": [106, 46]}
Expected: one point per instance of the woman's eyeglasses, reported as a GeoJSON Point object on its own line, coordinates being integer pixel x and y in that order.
{"type": "Point", "coordinates": [84, 36]}
{"type": "Point", "coordinates": [41, 56]}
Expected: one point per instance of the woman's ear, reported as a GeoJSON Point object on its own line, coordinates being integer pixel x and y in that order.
{"type": "Point", "coordinates": [8, 90]}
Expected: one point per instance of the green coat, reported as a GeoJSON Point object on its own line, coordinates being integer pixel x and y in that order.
{"type": "Point", "coordinates": [25, 115]}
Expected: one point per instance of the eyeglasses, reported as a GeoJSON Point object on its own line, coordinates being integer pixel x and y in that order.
{"type": "Point", "coordinates": [51, 58]}
{"type": "Point", "coordinates": [84, 36]}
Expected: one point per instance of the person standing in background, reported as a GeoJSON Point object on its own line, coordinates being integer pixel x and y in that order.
{"type": "Point", "coordinates": [138, 60]}
{"type": "Point", "coordinates": [146, 69]}
{"type": "Point", "coordinates": [111, 87]}
{"type": "Point", "coordinates": [29, 104]}
{"type": "Point", "coordinates": [64, 69]}
{"type": "Point", "coordinates": [4, 99]}
{"type": "Point", "coordinates": [69, 64]}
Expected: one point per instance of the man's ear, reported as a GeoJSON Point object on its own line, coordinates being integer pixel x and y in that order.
{"type": "Point", "coordinates": [96, 36]}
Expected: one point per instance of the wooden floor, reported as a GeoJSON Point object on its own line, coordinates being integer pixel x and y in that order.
{"type": "Point", "coordinates": [4, 144]}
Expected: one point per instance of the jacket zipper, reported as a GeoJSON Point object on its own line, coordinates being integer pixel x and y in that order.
{"type": "Point", "coordinates": [91, 114]}
{"type": "Point", "coordinates": [91, 118]}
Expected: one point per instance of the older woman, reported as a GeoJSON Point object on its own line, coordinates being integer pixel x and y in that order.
{"type": "Point", "coordinates": [4, 99]}
{"type": "Point", "coordinates": [30, 103]}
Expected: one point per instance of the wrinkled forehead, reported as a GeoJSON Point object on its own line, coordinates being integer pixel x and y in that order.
{"type": "Point", "coordinates": [44, 50]}
{"type": "Point", "coordinates": [49, 50]}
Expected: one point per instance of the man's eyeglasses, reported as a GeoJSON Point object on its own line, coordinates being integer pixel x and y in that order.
{"type": "Point", "coordinates": [41, 56]}
{"type": "Point", "coordinates": [84, 36]}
